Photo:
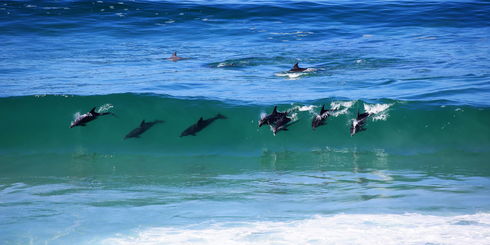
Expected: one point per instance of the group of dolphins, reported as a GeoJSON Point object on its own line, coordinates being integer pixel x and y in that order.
{"type": "Point", "coordinates": [295, 67]}
{"type": "Point", "coordinates": [276, 120]}
{"type": "Point", "coordinates": [280, 121]}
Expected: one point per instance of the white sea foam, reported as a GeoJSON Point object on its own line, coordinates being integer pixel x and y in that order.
{"type": "Point", "coordinates": [105, 108]}
{"type": "Point", "coordinates": [379, 111]}
{"type": "Point", "coordinates": [340, 108]}
{"type": "Point", "coordinates": [290, 75]}
{"type": "Point", "coordinates": [337, 229]}
{"type": "Point", "coordinates": [76, 115]}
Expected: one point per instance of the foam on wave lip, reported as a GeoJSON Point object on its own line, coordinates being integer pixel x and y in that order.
{"type": "Point", "coordinates": [379, 111]}
{"type": "Point", "coordinates": [337, 229]}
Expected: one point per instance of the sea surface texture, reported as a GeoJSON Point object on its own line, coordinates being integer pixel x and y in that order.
{"type": "Point", "coordinates": [418, 174]}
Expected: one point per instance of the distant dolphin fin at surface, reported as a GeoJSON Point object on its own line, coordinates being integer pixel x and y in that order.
{"type": "Point", "coordinates": [296, 66]}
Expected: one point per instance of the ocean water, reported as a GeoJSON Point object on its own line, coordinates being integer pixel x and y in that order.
{"type": "Point", "coordinates": [418, 174]}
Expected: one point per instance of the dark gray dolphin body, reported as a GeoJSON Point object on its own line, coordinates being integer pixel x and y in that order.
{"type": "Point", "coordinates": [358, 123]}
{"type": "Point", "coordinates": [280, 124]}
{"type": "Point", "coordinates": [135, 133]}
{"type": "Point", "coordinates": [87, 117]}
{"type": "Point", "coordinates": [175, 58]}
{"type": "Point", "coordinates": [271, 118]}
{"type": "Point", "coordinates": [319, 119]}
{"type": "Point", "coordinates": [200, 125]}
{"type": "Point", "coordinates": [296, 68]}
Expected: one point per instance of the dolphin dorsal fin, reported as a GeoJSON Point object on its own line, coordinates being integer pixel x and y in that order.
{"type": "Point", "coordinates": [323, 109]}
{"type": "Point", "coordinates": [275, 110]}
{"type": "Point", "coordinates": [174, 54]}
{"type": "Point", "coordinates": [295, 66]}
{"type": "Point", "coordinates": [200, 120]}
{"type": "Point", "coordinates": [142, 123]}
{"type": "Point", "coordinates": [93, 111]}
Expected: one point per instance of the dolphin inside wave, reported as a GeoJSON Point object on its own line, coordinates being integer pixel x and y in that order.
{"type": "Point", "coordinates": [144, 126]}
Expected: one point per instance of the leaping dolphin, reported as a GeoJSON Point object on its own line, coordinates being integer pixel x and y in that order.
{"type": "Point", "coordinates": [87, 117]}
{"type": "Point", "coordinates": [358, 123]}
{"type": "Point", "coordinates": [319, 119]}
{"type": "Point", "coordinates": [271, 118]}
{"type": "Point", "coordinates": [200, 125]}
{"type": "Point", "coordinates": [175, 58]}
{"type": "Point", "coordinates": [135, 133]}
{"type": "Point", "coordinates": [296, 68]}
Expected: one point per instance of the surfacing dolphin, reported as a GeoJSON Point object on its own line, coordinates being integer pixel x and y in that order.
{"type": "Point", "coordinates": [175, 58]}
{"type": "Point", "coordinates": [296, 68]}
{"type": "Point", "coordinates": [200, 125]}
{"type": "Point", "coordinates": [280, 124]}
{"type": "Point", "coordinates": [319, 119]}
{"type": "Point", "coordinates": [271, 118]}
{"type": "Point", "coordinates": [87, 117]}
{"type": "Point", "coordinates": [358, 123]}
{"type": "Point", "coordinates": [135, 133]}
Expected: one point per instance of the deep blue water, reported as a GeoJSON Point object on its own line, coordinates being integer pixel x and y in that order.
{"type": "Point", "coordinates": [419, 174]}
{"type": "Point", "coordinates": [422, 50]}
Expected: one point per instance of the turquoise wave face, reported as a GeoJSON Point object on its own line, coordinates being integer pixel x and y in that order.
{"type": "Point", "coordinates": [37, 129]}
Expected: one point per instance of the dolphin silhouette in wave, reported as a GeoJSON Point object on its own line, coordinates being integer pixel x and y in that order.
{"type": "Point", "coordinates": [144, 126]}
{"type": "Point", "coordinates": [359, 122]}
{"type": "Point", "coordinates": [319, 119]}
{"type": "Point", "coordinates": [200, 125]}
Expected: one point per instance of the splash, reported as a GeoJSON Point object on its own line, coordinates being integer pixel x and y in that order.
{"type": "Point", "coordinates": [379, 111]}
{"type": "Point", "coordinates": [340, 107]}
{"type": "Point", "coordinates": [105, 108]}
{"type": "Point", "coordinates": [289, 75]}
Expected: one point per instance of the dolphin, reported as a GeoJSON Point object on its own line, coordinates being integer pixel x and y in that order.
{"type": "Point", "coordinates": [175, 58]}
{"type": "Point", "coordinates": [358, 123]}
{"type": "Point", "coordinates": [200, 125]}
{"type": "Point", "coordinates": [319, 119]}
{"type": "Point", "coordinates": [296, 68]}
{"type": "Point", "coordinates": [135, 133]}
{"type": "Point", "coordinates": [87, 117]}
{"type": "Point", "coordinates": [280, 124]}
{"type": "Point", "coordinates": [271, 118]}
